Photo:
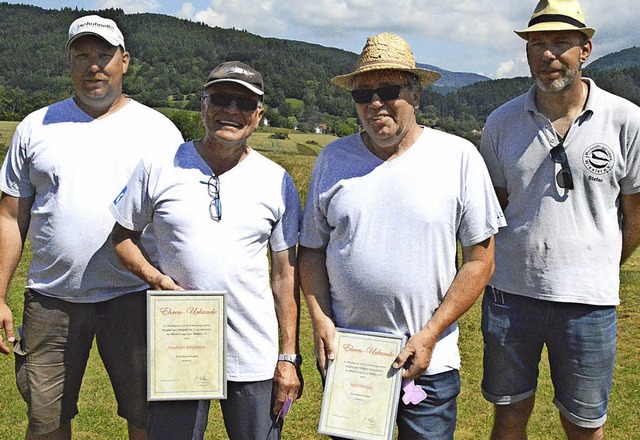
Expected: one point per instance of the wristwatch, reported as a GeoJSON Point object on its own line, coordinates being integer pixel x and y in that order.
{"type": "Point", "coordinates": [295, 359]}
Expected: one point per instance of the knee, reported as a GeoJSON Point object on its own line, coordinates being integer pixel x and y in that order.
{"type": "Point", "coordinates": [510, 421]}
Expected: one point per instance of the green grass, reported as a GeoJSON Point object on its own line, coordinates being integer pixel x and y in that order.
{"type": "Point", "coordinates": [98, 420]}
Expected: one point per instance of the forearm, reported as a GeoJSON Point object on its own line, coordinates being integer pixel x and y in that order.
{"type": "Point", "coordinates": [286, 292]}
{"type": "Point", "coordinates": [630, 206]}
{"type": "Point", "coordinates": [464, 291]}
{"type": "Point", "coordinates": [314, 281]}
{"type": "Point", "coordinates": [474, 274]}
{"type": "Point", "coordinates": [127, 248]}
{"type": "Point", "coordinates": [14, 223]}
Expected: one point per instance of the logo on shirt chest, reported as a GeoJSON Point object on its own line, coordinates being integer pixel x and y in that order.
{"type": "Point", "coordinates": [598, 159]}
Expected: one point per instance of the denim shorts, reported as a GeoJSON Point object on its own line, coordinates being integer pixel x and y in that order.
{"type": "Point", "coordinates": [435, 417]}
{"type": "Point", "coordinates": [52, 354]}
{"type": "Point", "coordinates": [581, 343]}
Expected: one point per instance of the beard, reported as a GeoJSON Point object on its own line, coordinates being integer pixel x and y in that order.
{"type": "Point", "coordinates": [559, 84]}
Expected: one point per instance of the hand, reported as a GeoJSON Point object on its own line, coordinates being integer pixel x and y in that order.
{"type": "Point", "coordinates": [324, 335]}
{"type": "Point", "coordinates": [287, 382]}
{"type": "Point", "coordinates": [6, 325]}
{"type": "Point", "coordinates": [163, 282]}
{"type": "Point", "coordinates": [415, 357]}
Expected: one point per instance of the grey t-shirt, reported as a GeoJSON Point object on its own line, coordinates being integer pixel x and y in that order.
{"type": "Point", "coordinates": [559, 245]}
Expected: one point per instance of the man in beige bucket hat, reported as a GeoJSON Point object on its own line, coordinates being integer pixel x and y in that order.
{"type": "Point", "coordinates": [378, 244]}
{"type": "Point", "coordinates": [563, 159]}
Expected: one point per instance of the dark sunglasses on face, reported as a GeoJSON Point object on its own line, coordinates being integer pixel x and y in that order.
{"type": "Point", "coordinates": [385, 93]}
{"type": "Point", "coordinates": [243, 103]}
{"type": "Point", "coordinates": [564, 177]}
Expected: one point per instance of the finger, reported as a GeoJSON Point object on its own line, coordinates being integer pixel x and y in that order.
{"type": "Point", "coordinates": [401, 359]}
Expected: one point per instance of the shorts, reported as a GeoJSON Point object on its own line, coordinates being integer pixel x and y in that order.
{"type": "Point", "coordinates": [581, 343]}
{"type": "Point", "coordinates": [247, 413]}
{"type": "Point", "coordinates": [52, 355]}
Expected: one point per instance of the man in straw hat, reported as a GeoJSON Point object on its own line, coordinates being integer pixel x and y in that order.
{"type": "Point", "coordinates": [383, 214]}
{"type": "Point", "coordinates": [64, 165]}
{"type": "Point", "coordinates": [563, 159]}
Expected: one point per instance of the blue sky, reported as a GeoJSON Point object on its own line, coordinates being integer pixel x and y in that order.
{"type": "Point", "coordinates": [457, 35]}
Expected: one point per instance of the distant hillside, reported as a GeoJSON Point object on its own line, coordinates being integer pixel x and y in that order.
{"type": "Point", "coordinates": [617, 60]}
{"type": "Point", "coordinates": [451, 81]}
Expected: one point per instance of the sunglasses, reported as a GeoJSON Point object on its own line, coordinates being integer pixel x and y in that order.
{"type": "Point", "coordinates": [386, 93]}
{"type": "Point", "coordinates": [564, 177]}
{"type": "Point", "coordinates": [243, 103]}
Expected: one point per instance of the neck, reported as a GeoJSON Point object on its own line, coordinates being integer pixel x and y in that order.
{"type": "Point", "coordinates": [393, 150]}
{"type": "Point", "coordinates": [98, 112]}
{"type": "Point", "coordinates": [220, 157]}
{"type": "Point", "coordinates": [567, 103]}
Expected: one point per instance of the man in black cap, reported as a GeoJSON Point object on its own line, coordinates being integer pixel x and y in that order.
{"type": "Point", "coordinates": [217, 206]}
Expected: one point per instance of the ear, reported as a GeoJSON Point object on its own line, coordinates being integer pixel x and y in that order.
{"type": "Point", "coordinates": [126, 58]}
{"type": "Point", "coordinates": [585, 51]}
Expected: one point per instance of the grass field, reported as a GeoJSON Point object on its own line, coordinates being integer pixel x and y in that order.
{"type": "Point", "coordinates": [97, 419]}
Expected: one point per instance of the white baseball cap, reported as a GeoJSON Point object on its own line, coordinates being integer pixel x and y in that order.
{"type": "Point", "coordinates": [95, 25]}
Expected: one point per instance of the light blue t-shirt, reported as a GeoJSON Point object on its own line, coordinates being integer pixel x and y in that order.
{"type": "Point", "coordinates": [73, 165]}
{"type": "Point", "coordinates": [391, 231]}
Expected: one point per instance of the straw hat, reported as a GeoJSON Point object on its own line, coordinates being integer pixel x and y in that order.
{"type": "Point", "coordinates": [557, 15]}
{"type": "Point", "coordinates": [386, 51]}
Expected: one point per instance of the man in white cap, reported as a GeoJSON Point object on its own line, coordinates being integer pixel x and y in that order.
{"type": "Point", "coordinates": [564, 161]}
{"type": "Point", "coordinates": [218, 208]}
{"type": "Point", "coordinates": [64, 166]}
{"type": "Point", "coordinates": [385, 210]}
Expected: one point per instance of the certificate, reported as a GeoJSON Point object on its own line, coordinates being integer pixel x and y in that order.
{"type": "Point", "coordinates": [186, 345]}
{"type": "Point", "coordinates": [362, 389]}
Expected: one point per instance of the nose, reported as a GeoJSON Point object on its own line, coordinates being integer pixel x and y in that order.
{"type": "Point", "coordinates": [375, 101]}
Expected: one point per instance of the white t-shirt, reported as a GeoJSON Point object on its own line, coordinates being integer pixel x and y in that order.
{"type": "Point", "coordinates": [563, 247]}
{"type": "Point", "coordinates": [391, 231]}
{"type": "Point", "coordinates": [260, 206]}
{"type": "Point", "coordinates": [74, 165]}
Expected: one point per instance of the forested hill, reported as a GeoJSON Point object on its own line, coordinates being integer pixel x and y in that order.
{"type": "Point", "coordinates": [172, 57]}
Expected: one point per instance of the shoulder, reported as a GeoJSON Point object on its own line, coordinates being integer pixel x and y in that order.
{"type": "Point", "coordinates": [340, 147]}
{"type": "Point", "coordinates": [601, 99]}
{"type": "Point", "coordinates": [257, 161]}
{"type": "Point", "coordinates": [446, 142]}
{"type": "Point", "coordinates": [516, 108]}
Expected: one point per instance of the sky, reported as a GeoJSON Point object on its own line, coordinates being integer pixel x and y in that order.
{"type": "Point", "coordinates": [457, 35]}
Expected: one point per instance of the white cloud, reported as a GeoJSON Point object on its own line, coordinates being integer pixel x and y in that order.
{"type": "Point", "coordinates": [476, 35]}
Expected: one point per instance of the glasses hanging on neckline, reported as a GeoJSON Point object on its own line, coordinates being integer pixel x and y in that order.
{"type": "Point", "coordinates": [564, 178]}
{"type": "Point", "coordinates": [215, 207]}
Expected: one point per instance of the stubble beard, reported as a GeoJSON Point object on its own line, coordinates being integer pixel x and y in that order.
{"type": "Point", "coordinates": [560, 84]}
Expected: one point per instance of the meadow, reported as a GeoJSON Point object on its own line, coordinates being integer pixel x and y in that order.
{"type": "Point", "coordinates": [98, 420]}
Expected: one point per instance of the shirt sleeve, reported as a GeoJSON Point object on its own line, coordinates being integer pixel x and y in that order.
{"type": "Point", "coordinates": [315, 229]}
{"type": "Point", "coordinates": [481, 212]}
{"type": "Point", "coordinates": [489, 152]}
{"type": "Point", "coordinates": [132, 208]}
{"type": "Point", "coordinates": [285, 232]}
{"type": "Point", "coordinates": [14, 174]}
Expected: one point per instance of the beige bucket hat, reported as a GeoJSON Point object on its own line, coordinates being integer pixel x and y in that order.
{"type": "Point", "coordinates": [557, 15]}
{"type": "Point", "coordinates": [386, 51]}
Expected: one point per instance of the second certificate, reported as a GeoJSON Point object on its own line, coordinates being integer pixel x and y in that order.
{"type": "Point", "coordinates": [362, 389]}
